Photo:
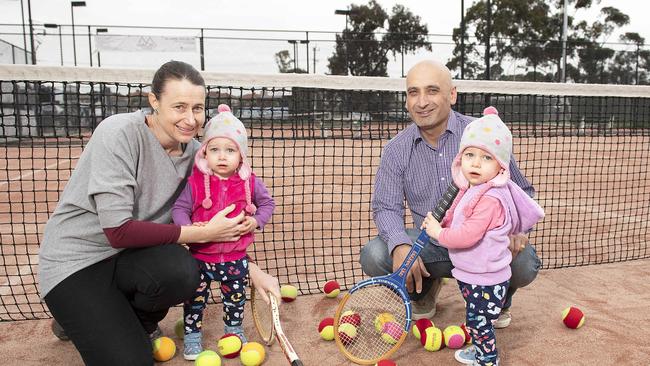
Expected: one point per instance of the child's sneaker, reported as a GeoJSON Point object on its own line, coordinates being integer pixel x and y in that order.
{"type": "Point", "coordinates": [466, 356]}
{"type": "Point", "coordinates": [192, 346]}
{"type": "Point", "coordinates": [236, 329]}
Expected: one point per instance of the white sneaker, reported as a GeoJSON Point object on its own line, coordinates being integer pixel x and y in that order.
{"type": "Point", "coordinates": [504, 319]}
{"type": "Point", "coordinates": [425, 308]}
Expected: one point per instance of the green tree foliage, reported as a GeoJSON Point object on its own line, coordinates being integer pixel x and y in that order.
{"type": "Point", "coordinates": [529, 34]}
{"type": "Point", "coordinates": [360, 51]}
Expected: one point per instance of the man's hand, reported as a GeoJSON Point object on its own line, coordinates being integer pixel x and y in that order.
{"type": "Point", "coordinates": [518, 243]}
{"type": "Point", "coordinates": [417, 271]}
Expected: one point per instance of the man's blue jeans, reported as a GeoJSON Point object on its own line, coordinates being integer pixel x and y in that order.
{"type": "Point", "coordinates": [376, 261]}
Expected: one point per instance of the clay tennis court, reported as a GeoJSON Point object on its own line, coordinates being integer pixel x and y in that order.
{"type": "Point", "coordinates": [323, 190]}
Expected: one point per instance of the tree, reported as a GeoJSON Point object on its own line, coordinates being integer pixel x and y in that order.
{"type": "Point", "coordinates": [286, 63]}
{"type": "Point", "coordinates": [530, 33]}
{"type": "Point", "coordinates": [359, 50]}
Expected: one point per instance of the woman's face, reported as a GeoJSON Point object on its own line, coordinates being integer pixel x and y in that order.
{"type": "Point", "coordinates": [181, 110]}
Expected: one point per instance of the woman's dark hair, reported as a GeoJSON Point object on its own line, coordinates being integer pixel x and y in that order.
{"type": "Point", "coordinates": [174, 70]}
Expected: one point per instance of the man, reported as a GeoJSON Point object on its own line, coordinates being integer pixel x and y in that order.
{"type": "Point", "coordinates": [416, 165]}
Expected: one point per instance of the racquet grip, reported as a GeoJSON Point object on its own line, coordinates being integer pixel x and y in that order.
{"type": "Point", "coordinates": [445, 202]}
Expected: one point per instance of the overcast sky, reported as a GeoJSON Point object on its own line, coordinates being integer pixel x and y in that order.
{"type": "Point", "coordinates": [246, 56]}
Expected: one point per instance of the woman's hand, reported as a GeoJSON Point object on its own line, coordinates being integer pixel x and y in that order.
{"type": "Point", "coordinates": [264, 283]}
{"type": "Point", "coordinates": [219, 229]}
{"type": "Point", "coordinates": [249, 225]}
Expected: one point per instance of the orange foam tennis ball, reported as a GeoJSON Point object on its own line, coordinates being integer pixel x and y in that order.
{"type": "Point", "coordinates": [454, 337]}
{"type": "Point", "coordinates": [432, 339]}
{"type": "Point", "coordinates": [288, 293]}
{"type": "Point", "coordinates": [326, 329]}
{"type": "Point", "coordinates": [420, 325]}
{"type": "Point", "coordinates": [347, 333]}
{"type": "Point", "coordinates": [468, 338]}
{"type": "Point", "coordinates": [573, 317]}
{"type": "Point", "coordinates": [208, 358]}
{"type": "Point", "coordinates": [163, 349]}
{"type": "Point", "coordinates": [252, 354]}
{"type": "Point", "coordinates": [332, 289]}
{"type": "Point", "coordinates": [386, 363]}
{"type": "Point", "coordinates": [391, 332]}
{"type": "Point", "coordinates": [351, 317]}
{"type": "Point", "coordinates": [381, 319]}
{"type": "Point", "coordinates": [229, 345]}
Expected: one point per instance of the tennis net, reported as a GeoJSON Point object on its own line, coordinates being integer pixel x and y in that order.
{"type": "Point", "coordinates": [316, 141]}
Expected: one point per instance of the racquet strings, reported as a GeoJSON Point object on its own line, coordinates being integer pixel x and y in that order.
{"type": "Point", "coordinates": [262, 317]}
{"type": "Point", "coordinates": [372, 303]}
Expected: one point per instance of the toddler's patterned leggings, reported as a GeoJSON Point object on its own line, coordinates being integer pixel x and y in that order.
{"type": "Point", "coordinates": [233, 278]}
{"type": "Point", "coordinates": [483, 305]}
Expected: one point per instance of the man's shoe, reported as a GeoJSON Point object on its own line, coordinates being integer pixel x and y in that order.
{"type": "Point", "coordinates": [238, 330]}
{"type": "Point", "coordinates": [466, 356]}
{"type": "Point", "coordinates": [58, 331]}
{"type": "Point", "coordinates": [504, 319]}
{"type": "Point", "coordinates": [157, 333]}
{"type": "Point", "coordinates": [425, 308]}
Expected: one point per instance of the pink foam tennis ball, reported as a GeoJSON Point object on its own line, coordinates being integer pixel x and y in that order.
{"type": "Point", "coordinates": [332, 289]}
{"type": "Point", "coordinates": [420, 325]}
{"type": "Point", "coordinates": [391, 332]}
{"type": "Point", "coordinates": [454, 337]}
{"type": "Point", "coordinates": [573, 317]}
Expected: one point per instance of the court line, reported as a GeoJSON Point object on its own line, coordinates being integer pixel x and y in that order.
{"type": "Point", "coordinates": [33, 172]}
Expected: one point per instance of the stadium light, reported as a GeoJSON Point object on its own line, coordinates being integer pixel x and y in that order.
{"type": "Point", "coordinates": [347, 13]}
{"type": "Point", "coordinates": [75, 4]}
{"type": "Point", "coordinates": [99, 59]}
{"type": "Point", "coordinates": [53, 25]}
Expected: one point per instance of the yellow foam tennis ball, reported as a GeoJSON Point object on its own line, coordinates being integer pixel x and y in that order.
{"type": "Point", "coordinates": [454, 337]}
{"type": "Point", "coordinates": [351, 317]}
{"type": "Point", "coordinates": [347, 333]}
{"type": "Point", "coordinates": [229, 345]}
{"type": "Point", "coordinates": [420, 326]}
{"type": "Point", "coordinates": [383, 318]}
{"type": "Point", "coordinates": [391, 332]}
{"type": "Point", "coordinates": [163, 349]}
{"type": "Point", "coordinates": [332, 289]}
{"type": "Point", "coordinates": [288, 293]}
{"type": "Point", "coordinates": [573, 317]}
{"type": "Point", "coordinates": [208, 358]}
{"type": "Point", "coordinates": [432, 339]}
{"type": "Point", "coordinates": [326, 329]}
{"type": "Point", "coordinates": [179, 328]}
{"type": "Point", "coordinates": [252, 354]}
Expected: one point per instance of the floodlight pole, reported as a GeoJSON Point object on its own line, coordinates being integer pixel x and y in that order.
{"type": "Point", "coordinates": [74, 4]}
{"type": "Point", "coordinates": [564, 38]}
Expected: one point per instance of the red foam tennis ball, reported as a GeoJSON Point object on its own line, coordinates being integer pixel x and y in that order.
{"type": "Point", "coordinates": [288, 293]}
{"type": "Point", "coordinates": [163, 349]}
{"type": "Point", "coordinates": [347, 333]}
{"type": "Point", "coordinates": [229, 345]}
{"type": "Point", "coordinates": [432, 339]}
{"type": "Point", "coordinates": [386, 363]}
{"type": "Point", "coordinates": [391, 332]}
{"type": "Point", "coordinates": [332, 289]}
{"type": "Point", "coordinates": [420, 325]}
{"type": "Point", "coordinates": [351, 317]}
{"type": "Point", "coordinates": [468, 338]}
{"type": "Point", "coordinates": [573, 317]}
{"type": "Point", "coordinates": [326, 329]}
{"type": "Point", "coordinates": [454, 337]}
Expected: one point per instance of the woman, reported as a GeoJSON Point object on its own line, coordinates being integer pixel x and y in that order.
{"type": "Point", "coordinates": [109, 266]}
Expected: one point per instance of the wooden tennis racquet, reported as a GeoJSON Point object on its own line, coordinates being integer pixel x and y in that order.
{"type": "Point", "coordinates": [267, 322]}
{"type": "Point", "coordinates": [383, 306]}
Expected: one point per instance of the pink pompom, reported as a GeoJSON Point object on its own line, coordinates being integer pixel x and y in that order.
{"type": "Point", "coordinates": [223, 108]}
{"type": "Point", "coordinates": [207, 203]}
{"type": "Point", "coordinates": [490, 110]}
{"type": "Point", "coordinates": [250, 209]}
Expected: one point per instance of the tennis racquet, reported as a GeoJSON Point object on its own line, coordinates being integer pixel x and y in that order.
{"type": "Point", "coordinates": [383, 306]}
{"type": "Point", "coordinates": [267, 322]}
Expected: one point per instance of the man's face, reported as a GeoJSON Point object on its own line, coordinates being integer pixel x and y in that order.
{"type": "Point", "coordinates": [429, 96]}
